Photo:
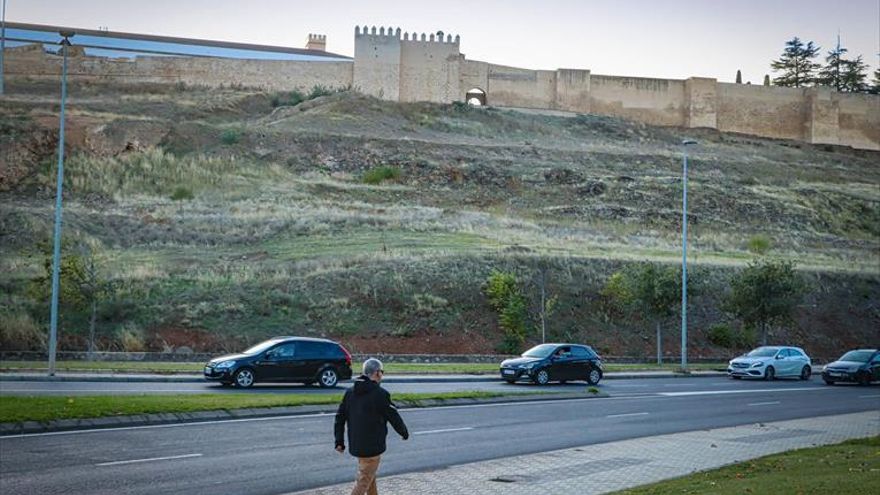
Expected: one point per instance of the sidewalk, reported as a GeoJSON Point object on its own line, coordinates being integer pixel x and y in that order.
{"type": "Point", "coordinates": [613, 466]}
{"type": "Point", "coordinates": [196, 378]}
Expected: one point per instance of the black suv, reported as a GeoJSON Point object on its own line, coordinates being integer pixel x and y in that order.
{"type": "Point", "coordinates": [284, 359]}
{"type": "Point", "coordinates": [554, 362]}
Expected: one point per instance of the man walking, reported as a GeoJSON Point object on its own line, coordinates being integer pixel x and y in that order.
{"type": "Point", "coordinates": [367, 409]}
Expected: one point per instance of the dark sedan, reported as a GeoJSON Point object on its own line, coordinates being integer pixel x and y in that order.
{"type": "Point", "coordinates": [554, 362]}
{"type": "Point", "coordinates": [861, 366]}
{"type": "Point", "coordinates": [283, 359]}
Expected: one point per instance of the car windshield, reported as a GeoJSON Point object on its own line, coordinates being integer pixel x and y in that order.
{"type": "Point", "coordinates": [857, 356]}
{"type": "Point", "coordinates": [539, 351]}
{"type": "Point", "coordinates": [262, 346]}
{"type": "Point", "coordinates": [763, 352]}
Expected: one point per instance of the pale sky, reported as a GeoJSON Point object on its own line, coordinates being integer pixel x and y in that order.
{"type": "Point", "coordinates": [649, 38]}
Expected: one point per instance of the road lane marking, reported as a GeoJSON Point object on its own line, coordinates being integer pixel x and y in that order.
{"type": "Point", "coordinates": [626, 415]}
{"type": "Point", "coordinates": [869, 396]}
{"type": "Point", "coordinates": [151, 459]}
{"type": "Point", "coordinates": [447, 430]}
{"type": "Point", "coordinates": [746, 391]}
{"type": "Point", "coordinates": [764, 403]}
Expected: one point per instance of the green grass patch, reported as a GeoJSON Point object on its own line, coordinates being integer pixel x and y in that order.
{"type": "Point", "coordinates": [17, 409]}
{"type": "Point", "coordinates": [381, 174]}
{"type": "Point", "coordinates": [848, 467]}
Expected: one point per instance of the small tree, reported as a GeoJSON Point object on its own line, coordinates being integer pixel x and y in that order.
{"type": "Point", "coordinates": [739, 77]}
{"type": "Point", "coordinates": [766, 80]}
{"type": "Point", "coordinates": [831, 74]}
{"type": "Point", "coordinates": [94, 288]}
{"type": "Point", "coordinates": [765, 293]}
{"type": "Point", "coordinates": [652, 290]}
{"type": "Point", "coordinates": [509, 303]}
{"type": "Point", "coordinates": [854, 74]}
{"type": "Point", "coordinates": [547, 303]}
{"type": "Point", "coordinates": [796, 64]}
{"type": "Point", "coordinates": [875, 84]}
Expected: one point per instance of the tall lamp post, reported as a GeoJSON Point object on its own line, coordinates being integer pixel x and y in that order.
{"type": "Point", "coordinates": [56, 255]}
{"type": "Point", "coordinates": [2, 45]}
{"type": "Point", "coordinates": [684, 229]}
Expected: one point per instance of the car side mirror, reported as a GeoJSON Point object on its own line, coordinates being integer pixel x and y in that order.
{"type": "Point", "coordinates": [780, 357]}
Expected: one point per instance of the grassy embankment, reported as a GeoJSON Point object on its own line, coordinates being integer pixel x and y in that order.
{"type": "Point", "coordinates": [850, 467]}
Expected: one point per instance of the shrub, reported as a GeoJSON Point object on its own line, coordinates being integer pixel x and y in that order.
{"type": "Point", "coordinates": [510, 305]}
{"type": "Point", "coordinates": [18, 331]}
{"type": "Point", "coordinates": [287, 98]}
{"type": "Point", "coordinates": [722, 335]}
{"type": "Point", "coordinates": [230, 136]}
{"type": "Point", "coordinates": [380, 174]}
{"type": "Point", "coordinates": [319, 90]}
{"type": "Point", "coordinates": [759, 244]}
{"type": "Point", "coordinates": [182, 193]}
{"type": "Point", "coordinates": [131, 338]}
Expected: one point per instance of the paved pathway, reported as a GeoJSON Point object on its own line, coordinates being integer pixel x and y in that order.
{"type": "Point", "coordinates": [603, 468]}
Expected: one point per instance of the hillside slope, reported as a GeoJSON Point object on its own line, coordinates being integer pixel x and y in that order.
{"type": "Point", "coordinates": [378, 223]}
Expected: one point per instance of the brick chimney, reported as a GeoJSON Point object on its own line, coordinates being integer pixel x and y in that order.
{"type": "Point", "coordinates": [317, 42]}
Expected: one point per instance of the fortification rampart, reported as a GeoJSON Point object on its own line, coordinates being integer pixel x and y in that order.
{"type": "Point", "coordinates": [402, 66]}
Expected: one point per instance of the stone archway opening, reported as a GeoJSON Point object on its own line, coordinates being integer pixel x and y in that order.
{"type": "Point", "coordinates": [475, 97]}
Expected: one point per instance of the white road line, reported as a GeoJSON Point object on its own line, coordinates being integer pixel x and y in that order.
{"type": "Point", "coordinates": [764, 403]}
{"type": "Point", "coordinates": [746, 391]}
{"type": "Point", "coordinates": [626, 415]}
{"type": "Point", "coordinates": [134, 461]}
{"type": "Point", "coordinates": [447, 430]}
{"type": "Point", "coordinates": [869, 396]}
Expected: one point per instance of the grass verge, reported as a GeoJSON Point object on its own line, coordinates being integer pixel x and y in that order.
{"type": "Point", "coordinates": [848, 467]}
{"type": "Point", "coordinates": [391, 368]}
{"type": "Point", "coordinates": [17, 409]}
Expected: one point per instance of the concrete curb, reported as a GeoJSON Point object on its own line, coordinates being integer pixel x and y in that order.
{"type": "Point", "coordinates": [28, 427]}
{"type": "Point", "coordinates": [194, 378]}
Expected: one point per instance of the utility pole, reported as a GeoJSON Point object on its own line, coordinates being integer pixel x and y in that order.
{"type": "Point", "coordinates": [56, 253]}
{"type": "Point", "coordinates": [2, 47]}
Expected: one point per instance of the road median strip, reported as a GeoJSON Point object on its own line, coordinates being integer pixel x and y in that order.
{"type": "Point", "coordinates": [28, 415]}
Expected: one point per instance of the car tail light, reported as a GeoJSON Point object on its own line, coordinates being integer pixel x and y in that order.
{"type": "Point", "coordinates": [347, 355]}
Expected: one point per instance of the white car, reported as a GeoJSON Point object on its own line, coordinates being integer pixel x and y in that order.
{"type": "Point", "coordinates": [772, 362]}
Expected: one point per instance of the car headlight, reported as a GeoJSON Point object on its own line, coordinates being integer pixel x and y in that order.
{"type": "Point", "coordinates": [225, 364]}
{"type": "Point", "coordinates": [530, 366]}
{"type": "Point", "coordinates": [758, 364]}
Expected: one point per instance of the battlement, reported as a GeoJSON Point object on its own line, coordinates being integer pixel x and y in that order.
{"type": "Point", "coordinates": [317, 42]}
{"type": "Point", "coordinates": [395, 33]}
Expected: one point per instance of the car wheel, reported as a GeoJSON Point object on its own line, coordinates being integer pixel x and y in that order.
{"type": "Point", "coordinates": [542, 377]}
{"type": "Point", "coordinates": [863, 379]}
{"type": "Point", "coordinates": [829, 382]}
{"type": "Point", "coordinates": [594, 377]}
{"type": "Point", "coordinates": [328, 378]}
{"type": "Point", "coordinates": [806, 373]}
{"type": "Point", "coordinates": [770, 373]}
{"type": "Point", "coordinates": [244, 378]}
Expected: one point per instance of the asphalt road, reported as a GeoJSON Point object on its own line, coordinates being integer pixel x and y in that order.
{"type": "Point", "coordinates": [278, 455]}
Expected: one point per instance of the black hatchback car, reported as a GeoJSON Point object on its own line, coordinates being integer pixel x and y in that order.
{"type": "Point", "coordinates": [554, 362]}
{"type": "Point", "coordinates": [861, 366]}
{"type": "Point", "coordinates": [284, 359]}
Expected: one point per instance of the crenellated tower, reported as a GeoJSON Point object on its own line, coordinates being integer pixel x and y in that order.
{"type": "Point", "coordinates": [407, 67]}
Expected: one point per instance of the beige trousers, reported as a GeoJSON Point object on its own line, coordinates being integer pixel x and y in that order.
{"type": "Point", "coordinates": [366, 476]}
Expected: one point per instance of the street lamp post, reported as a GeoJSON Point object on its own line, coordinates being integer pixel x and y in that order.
{"type": "Point", "coordinates": [684, 228]}
{"type": "Point", "coordinates": [56, 255]}
{"type": "Point", "coordinates": [2, 46]}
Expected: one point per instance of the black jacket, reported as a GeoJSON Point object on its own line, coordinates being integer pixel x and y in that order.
{"type": "Point", "coordinates": [367, 407]}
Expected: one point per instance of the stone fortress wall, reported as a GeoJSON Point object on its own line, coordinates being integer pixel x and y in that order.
{"type": "Point", "coordinates": [407, 67]}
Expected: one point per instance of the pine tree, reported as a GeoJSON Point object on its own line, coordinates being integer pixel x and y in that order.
{"type": "Point", "coordinates": [853, 75]}
{"type": "Point", "coordinates": [875, 88]}
{"type": "Point", "coordinates": [796, 64]}
{"type": "Point", "coordinates": [831, 74]}
{"type": "Point", "coordinates": [739, 77]}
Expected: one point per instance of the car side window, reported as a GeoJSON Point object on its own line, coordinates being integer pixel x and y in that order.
{"type": "Point", "coordinates": [580, 352]}
{"type": "Point", "coordinates": [563, 352]}
{"type": "Point", "coordinates": [784, 353]}
{"type": "Point", "coordinates": [284, 351]}
{"type": "Point", "coordinates": [310, 350]}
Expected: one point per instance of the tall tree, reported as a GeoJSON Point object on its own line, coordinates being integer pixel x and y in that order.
{"type": "Point", "coordinates": [853, 76]}
{"type": "Point", "coordinates": [766, 80]}
{"type": "Point", "coordinates": [739, 77]}
{"type": "Point", "coordinates": [652, 290]}
{"type": "Point", "coordinates": [796, 64]}
{"type": "Point", "coordinates": [831, 74]}
{"type": "Point", "coordinates": [765, 293]}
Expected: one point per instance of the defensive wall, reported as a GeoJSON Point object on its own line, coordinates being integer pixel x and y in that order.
{"type": "Point", "coordinates": [402, 66]}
